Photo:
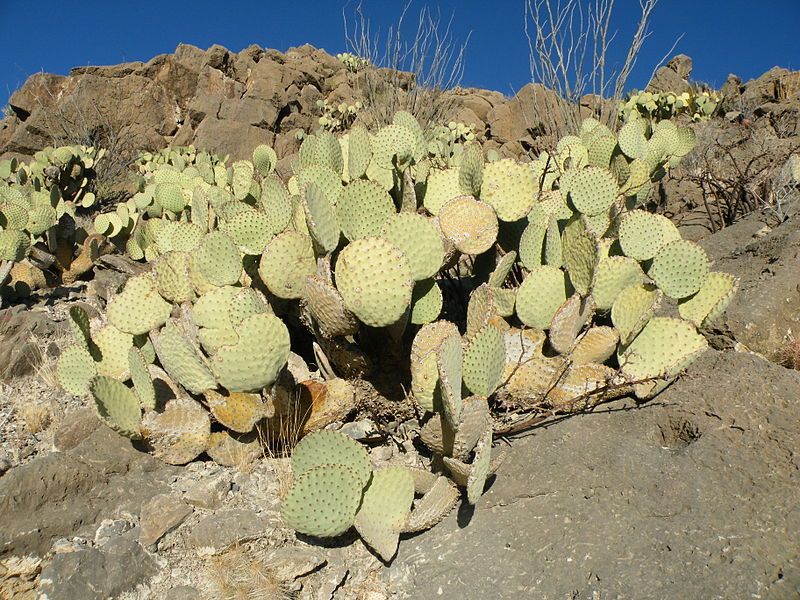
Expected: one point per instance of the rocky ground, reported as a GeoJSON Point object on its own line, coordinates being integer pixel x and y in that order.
{"type": "Point", "coordinates": [691, 495]}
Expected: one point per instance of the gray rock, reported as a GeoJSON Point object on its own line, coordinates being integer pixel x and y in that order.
{"type": "Point", "coordinates": [291, 562]}
{"type": "Point", "coordinates": [693, 495]}
{"type": "Point", "coordinates": [110, 529]}
{"type": "Point", "coordinates": [161, 515]}
{"type": "Point", "coordinates": [92, 574]}
{"type": "Point", "coordinates": [219, 531]}
{"type": "Point", "coordinates": [184, 592]}
{"type": "Point", "coordinates": [75, 428]}
{"type": "Point", "coordinates": [58, 494]}
{"type": "Point", "coordinates": [209, 494]}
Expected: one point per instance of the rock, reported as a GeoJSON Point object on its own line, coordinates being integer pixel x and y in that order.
{"type": "Point", "coordinates": [184, 592]}
{"type": "Point", "coordinates": [219, 531]}
{"type": "Point", "coordinates": [75, 428]}
{"type": "Point", "coordinates": [209, 494]}
{"type": "Point", "coordinates": [688, 496]}
{"type": "Point", "coordinates": [359, 430]}
{"type": "Point", "coordinates": [160, 515]}
{"type": "Point", "coordinates": [765, 311]}
{"type": "Point", "coordinates": [291, 562]}
{"type": "Point", "coordinates": [110, 529]}
{"type": "Point", "coordinates": [532, 111]}
{"type": "Point", "coordinates": [97, 574]}
{"type": "Point", "coordinates": [673, 77]}
{"type": "Point", "coordinates": [56, 495]}
{"type": "Point", "coordinates": [19, 352]}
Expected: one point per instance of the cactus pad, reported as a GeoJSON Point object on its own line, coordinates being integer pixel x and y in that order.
{"type": "Point", "coordinates": [328, 448]}
{"type": "Point", "coordinates": [442, 186]}
{"type": "Point", "coordinates": [426, 302]}
{"type": "Point", "coordinates": [611, 276]}
{"type": "Point", "coordinates": [287, 262]}
{"type": "Point", "coordinates": [327, 307]}
{"type": "Point", "coordinates": [424, 371]}
{"type": "Point", "coordinates": [363, 208]}
{"type": "Point", "coordinates": [182, 360]}
{"type": "Point", "coordinates": [385, 509]}
{"type": "Point", "coordinates": [180, 433]}
{"type": "Point", "coordinates": [540, 295]}
{"type": "Point", "coordinates": [471, 225]}
{"type": "Point", "coordinates": [680, 268]}
{"type": "Point", "coordinates": [509, 187]}
{"type": "Point", "coordinates": [75, 370]}
{"type": "Point", "coordinates": [449, 361]}
{"type": "Point", "coordinates": [593, 190]}
{"type": "Point", "coordinates": [419, 239]}
{"type": "Point", "coordinates": [323, 501]}
{"type": "Point", "coordinates": [484, 359]}
{"type": "Point", "coordinates": [374, 278]}
{"type": "Point", "coordinates": [632, 309]}
{"type": "Point", "coordinates": [140, 376]}
{"type": "Point", "coordinates": [710, 302]}
{"type": "Point", "coordinates": [597, 345]}
{"type": "Point", "coordinates": [237, 411]}
{"type": "Point", "coordinates": [117, 406]}
{"type": "Point", "coordinates": [643, 234]}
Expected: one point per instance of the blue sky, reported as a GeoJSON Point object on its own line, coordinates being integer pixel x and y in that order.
{"type": "Point", "coordinates": [722, 36]}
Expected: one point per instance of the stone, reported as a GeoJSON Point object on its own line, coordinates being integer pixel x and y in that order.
{"type": "Point", "coordinates": [673, 77]}
{"type": "Point", "coordinates": [19, 328]}
{"type": "Point", "coordinates": [75, 428]}
{"type": "Point", "coordinates": [160, 515]}
{"type": "Point", "coordinates": [533, 110]}
{"type": "Point", "coordinates": [57, 494]}
{"type": "Point", "coordinates": [290, 562]}
{"type": "Point", "coordinates": [93, 574]}
{"type": "Point", "coordinates": [219, 531]}
{"type": "Point", "coordinates": [690, 495]}
{"type": "Point", "coordinates": [110, 529]}
{"type": "Point", "coordinates": [184, 592]}
{"type": "Point", "coordinates": [209, 494]}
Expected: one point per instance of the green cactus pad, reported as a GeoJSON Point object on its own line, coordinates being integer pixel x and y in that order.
{"type": "Point", "coordinates": [663, 348]}
{"type": "Point", "coordinates": [500, 273]}
{"type": "Point", "coordinates": [632, 140]}
{"type": "Point", "coordinates": [470, 175]}
{"type": "Point", "coordinates": [424, 371]}
{"type": "Point", "coordinates": [138, 308]}
{"type": "Point", "coordinates": [323, 501]}
{"type": "Point", "coordinates": [426, 302]}
{"type": "Point", "coordinates": [593, 190]}
{"type": "Point", "coordinates": [600, 150]}
{"type": "Point", "coordinates": [632, 309]}
{"type": "Point", "coordinates": [363, 208]}
{"type": "Point", "coordinates": [329, 181]}
{"type": "Point", "coordinates": [75, 370]}
{"type": "Point", "coordinates": [13, 216]}
{"type": "Point", "coordinates": [553, 250]}
{"type": "Point", "coordinates": [182, 360]}
{"type": "Point", "coordinates": [680, 268]}
{"type": "Point", "coordinates": [475, 418]}
{"type": "Point", "coordinates": [79, 325]}
{"type": "Point", "coordinates": [327, 308]}
{"type": "Point", "coordinates": [579, 251]}
{"type": "Point", "coordinates": [469, 224]}
{"type": "Point", "coordinates": [117, 406]}
{"type": "Point", "coordinates": [359, 152]}
{"type": "Point", "coordinates": [218, 259]}
{"type": "Point", "coordinates": [638, 177]}
{"type": "Point", "coordinates": [385, 509]}
{"type": "Point", "coordinates": [320, 217]}
{"type": "Point", "coordinates": [393, 141]}
{"type": "Point", "coordinates": [510, 188]}
{"type": "Point", "coordinates": [611, 276]}
{"type": "Point", "coordinates": [540, 295]}
{"type": "Point", "coordinates": [256, 359]}
{"type": "Point", "coordinates": [442, 186]}
{"type": "Point", "coordinates": [480, 309]}
{"type": "Point", "coordinates": [276, 203]}
{"type": "Point", "coordinates": [170, 197]}
{"type": "Point", "coordinates": [597, 345]}
{"type": "Point", "coordinates": [484, 359]}
{"type": "Point", "coordinates": [710, 302]}
{"type": "Point", "coordinates": [140, 376]}
{"type": "Point", "coordinates": [374, 279]}
{"type": "Point", "coordinates": [449, 361]}
{"type": "Point", "coordinates": [180, 433]}
{"type": "Point", "coordinates": [643, 234]}
{"type": "Point", "coordinates": [287, 262]}
{"type": "Point", "coordinates": [531, 243]}
{"type": "Point", "coordinates": [14, 245]}
{"type": "Point", "coordinates": [112, 347]}
{"type": "Point", "coordinates": [172, 277]}
{"type": "Point", "coordinates": [251, 231]}
{"type": "Point", "coordinates": [419, 239]}
{"type": "Point", "coordinates": [264, 159]}
{"type": "Point", "coordinates": [332, 447]}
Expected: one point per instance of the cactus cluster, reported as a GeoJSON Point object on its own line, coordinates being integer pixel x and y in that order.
{"type": "Point", "coordinates": [700, 106]}
{"type": "Point", "coordinates": [353, 62]}
{"type": "Point", "coordinates": [35, 198]}
{"type": "Point", "coordinates": [338, 117]}
{"type": "Point", "coordinates": [336, 488]}
{"type": "Point", "coordinates": [537, 284]}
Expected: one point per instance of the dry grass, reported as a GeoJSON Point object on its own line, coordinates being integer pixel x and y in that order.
{"type": "Point", "coordinates": [239, 574]}
{"type": "Point", "coordinates": [37, 417]}
{"type": "Point", "coordinates": [789, 356]}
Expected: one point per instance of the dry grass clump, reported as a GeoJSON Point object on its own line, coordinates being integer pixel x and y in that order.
{"type": "Point", "coordinates": [239, 574]}
{"type": "Point", "coordinates": [36, 416]}
{"type": "Point", "coordinates": [789, 356]}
